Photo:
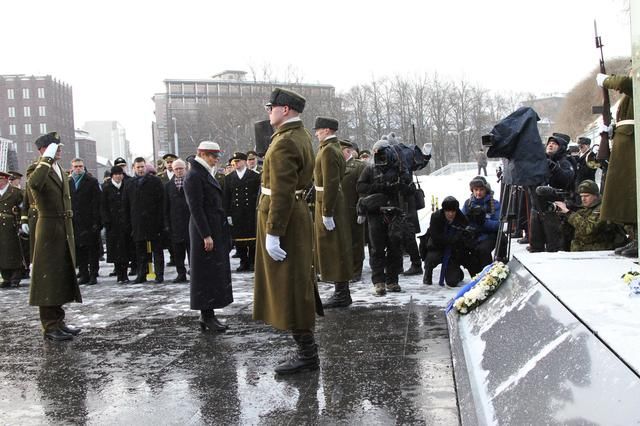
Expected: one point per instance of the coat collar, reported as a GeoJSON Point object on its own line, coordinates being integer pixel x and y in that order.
{"type": "Point", "coordinates": [288, 126]}
{"type": "Point", "coordinates": [199, 168]}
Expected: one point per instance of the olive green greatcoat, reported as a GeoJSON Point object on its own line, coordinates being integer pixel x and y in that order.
{"type": "Point", "coordinates": [53, 275]}
{"type": "Point", "coordinates": [285, 293]}
{"type": "Point", "coordinates": [10, 252]}
{"type": "Point", "coordinates": [619, 197]}
{"type": "Point", "coordinates": [591, 232]}
{"type": "Point", "coordinates": [333, 248]}
{"type": "Point", "coordinates": [349, 182]}
{"type": "Point", "coordinates": [29, 212]}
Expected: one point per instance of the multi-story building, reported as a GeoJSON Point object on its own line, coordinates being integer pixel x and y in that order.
{"type": "Point", "coordinates": [8, 157]}
{"type": "Point", "coordinates": [111, 139]}
{"type": "Point", "coordinates": [85, 147]}
{"type": "Point", "coordinates": [224, 109]}
{"type": "Point", "coordinates": [31, 106]}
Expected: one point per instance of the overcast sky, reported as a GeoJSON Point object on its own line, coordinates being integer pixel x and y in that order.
{"type": "Point", "coordinates": [116, 53]}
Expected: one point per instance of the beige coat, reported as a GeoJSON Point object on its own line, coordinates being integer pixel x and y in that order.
{"type": "Point", "coordinates": [53, 275]}
{"type": "Point", "coordinates": [285, 292]}
{"type": "Point", "coordinates": [335, 261]}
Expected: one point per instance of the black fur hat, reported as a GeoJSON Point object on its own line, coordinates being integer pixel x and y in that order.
{"type": "Point", "coordinates": [450, 204]}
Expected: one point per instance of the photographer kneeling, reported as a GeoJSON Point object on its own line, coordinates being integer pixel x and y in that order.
{"type": "Point", "coordinates": [483, 213]}
{"type": "Point", "coordinates": [446, 242]}
{"type": "Point", "coordinates": [591, 233]}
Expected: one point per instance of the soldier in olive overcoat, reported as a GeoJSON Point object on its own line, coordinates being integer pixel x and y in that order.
{"type": "Point", "coordinates": [349, 181]}
{"type": "Point", "coordinates": [10, 253]}
{"type": "Point", "coordinates": [332, 230]}
{"type": "Point", "coordinates": [240, 200]}
{"type": "Point", "coordinates": [285, 292]}
{"type": "Point", "coordinates": [619, 196]}
{"type": "Point", "coordinates": [53, 276]}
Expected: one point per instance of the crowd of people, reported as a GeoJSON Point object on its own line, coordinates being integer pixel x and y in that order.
{"type": "Point", "coordinates": [294, 217]}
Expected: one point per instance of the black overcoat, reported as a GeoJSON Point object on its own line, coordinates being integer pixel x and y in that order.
{"type": "Point", "coordinates": [114, 219]}
{"type": "Point", "coordinates": [210, 271]}
{"type": "Point", "coordinates": [240, 202]}
{"type": "Point", "coordinates": [176, 212]}
{"type": "Point", "coordinates": [85, 201]}
{"type": "Point", "coordinates": [144, 204]}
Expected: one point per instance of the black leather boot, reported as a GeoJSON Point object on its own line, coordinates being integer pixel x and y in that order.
{"type": "Point", "coordinates": [415, 269]}
{"type": "Point", "coordinates": [631, 250]}
{"type": "Point", "coordinates": [69, 329]}
{"type": "Point", "coordinates": [427, 279]}
{"type": "Point", "coordinates": [57, 335]}
{"type": "Point", "coordinates": [209, 321]}
{"type": "Point", "coordinates": [341, 297]}
{"type": "Point", "coordinates": [305, 358]}
{"type": "Point", "coordinates": [181, 278]}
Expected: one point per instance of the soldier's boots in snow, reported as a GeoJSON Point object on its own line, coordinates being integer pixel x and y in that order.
{"type": "Point", "coordinates": [304, 359]}
{"type": "Point", "coordinates": [341, 297]}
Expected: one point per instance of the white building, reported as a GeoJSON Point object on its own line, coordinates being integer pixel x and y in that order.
{"type": "Point", "coordinates": [111, 139]}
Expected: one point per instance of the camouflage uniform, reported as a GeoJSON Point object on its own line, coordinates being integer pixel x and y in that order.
{"type": "Point", "coordinates": [591, 232]}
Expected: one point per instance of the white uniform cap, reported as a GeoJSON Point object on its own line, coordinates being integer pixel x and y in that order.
{"type": "Point", "coordinates": [208, 146]}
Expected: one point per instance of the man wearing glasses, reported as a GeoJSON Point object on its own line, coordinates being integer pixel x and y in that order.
{"type": "Point", "coordinates": [285, 293]}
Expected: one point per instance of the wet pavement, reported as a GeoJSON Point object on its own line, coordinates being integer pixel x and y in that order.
{"type": "Point", "coordinates": [142, 359]}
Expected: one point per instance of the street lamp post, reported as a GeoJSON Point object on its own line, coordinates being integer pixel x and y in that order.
{"type": "Point", "coordinates": [175, 136]}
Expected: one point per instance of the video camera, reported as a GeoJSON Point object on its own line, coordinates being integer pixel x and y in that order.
{"type": "Point", "coordinates": [549, 194]}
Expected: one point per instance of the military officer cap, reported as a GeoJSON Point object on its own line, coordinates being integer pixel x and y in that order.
{"type": "Point", "coordinates": [326, 123]}
{"type": "Point", "coordinates": [251, 155]}
{"type": "Point", "coordinates": [46, 140]}
{"type": "Point", "coordinates": [116, 170]}
{"type": "Point", "coordinates": [119, 161]}
{"type": "Point", "coordinates": [210, 147]}
{"type": "Point", "coordinates": [169, 157]}
{"type": "Point", "coordinates": [239, 156]}
{"type": "Point", "coordinates": [365, 153]}
{"type": "Point", "coordinates": [588, 187]}
{"type": "Point", "coordinates": [584, 141]}
{"type": "Point", "coordinates": [346, 143]}
{"type": "Point", "coordinates": [14, 175]}
{"type": "Point", "coordinates": [283, 97]}
{"type": "Point", "coordinates": [5, 175]}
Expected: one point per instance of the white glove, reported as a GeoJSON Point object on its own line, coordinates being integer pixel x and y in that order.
{"type": "Point", "coordinates": [328, 223]}
{"type": "Point", "coordinates": [606, 129]}
{"type": "Point", "coordinates": [272, 244]}
{"type": "Point", "coordinates": [600, 78]}
{"type": "Point", "coordinates": [230, 220]}
{"type": "Point", "coordinates": [361, 219]}
{"type": "Point", "coordinates": [51, 150]}
{"type": "Point", "coordinates": [25, 228]}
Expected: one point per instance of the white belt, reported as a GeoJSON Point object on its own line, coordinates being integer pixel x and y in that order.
{"type": "Point", "coordinates": [267, 191]}
{"type": "Point", "coordinates": [625, 122]}
{"type": "Point", "coordinates": [319, 188]}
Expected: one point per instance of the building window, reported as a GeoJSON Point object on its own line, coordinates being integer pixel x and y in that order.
{"type": "Point", "coordinates": [12, 129]}
{"type": "Point", "coordinates": [41, 92]}
{"type": "Point", "coordinates": [25, 93]}
{"type": "Point", "coordinates": [27, 129]}
{"type": "Point", "coordinates": [27, 111]}
{"type": "Point", "coordinates": [42, 111]}
{"type": "Point", "coordinates": [43, 128]}
{"type": "Point", "coordinates": [29, 147]}
{"type": "Point", "coordinates": [12, 112]}
{"type": "Point", "coordinates": [10, 94]}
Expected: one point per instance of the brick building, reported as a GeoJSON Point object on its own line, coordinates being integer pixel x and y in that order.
{"type": "Point", "coordinates": [31, 106]}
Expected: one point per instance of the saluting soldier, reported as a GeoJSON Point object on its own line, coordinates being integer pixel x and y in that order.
{"type": "Point", "coordinates": [11, 255]}
{"type": "Point", "coordinates": [285, 294]}
{"type": "Point", "coordinates": [332, 230]}
{"type": "Point", "coordinates": [240, 199]}
{"type": "Point", "coordinates": [352, 172]}
{"type": "Point", "coordinates": [53, 278]}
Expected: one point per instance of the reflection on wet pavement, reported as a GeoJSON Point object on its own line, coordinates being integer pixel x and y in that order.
{"type": "Point", "coordinates": [143, 360]}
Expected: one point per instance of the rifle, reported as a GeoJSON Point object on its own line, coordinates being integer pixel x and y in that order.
{"type": "Point", "coordinates": [603, 149]}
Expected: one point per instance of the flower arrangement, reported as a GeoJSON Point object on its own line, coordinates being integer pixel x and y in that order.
{"type": "Point", "coordinates": [629, 276]}
{"type": "Point", "coordinates": [480, 288]}
{"type": "Point", "coordinates": [632, 279]}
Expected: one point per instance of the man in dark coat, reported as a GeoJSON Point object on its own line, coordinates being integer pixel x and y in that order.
{"type": "Point", "coordinates": [85, 199]}
{"type": "Point", "coordinates": [53, 277]}
{"type": "Point", "coordinates": [545, 230]}
{"type": "Point", "coordinates": [209, 238]}
{"type": "Point", "coordinates": [446, 242]}
{"type": "Point", "coordinates": [144, 207]}
{"type": "Point", "coordinates": [11, 263]}
{"type": "Point", "coordinates": [240, 200]}
{"type": "Point", "coordinates": [114, 219]}
{"type": "Point", "coordinates": [583, 171]}
{"type": "Point", "coordinates": [122, 163]}
{"type": "Point", "coordinates": [176, 216]}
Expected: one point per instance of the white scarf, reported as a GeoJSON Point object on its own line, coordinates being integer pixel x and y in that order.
{"type": "Point", "coordinates": [211, 170]}
{"type": "Point", "coordinates": [117, 185]}
{"type": "Point", "coordinates": [241, 173]}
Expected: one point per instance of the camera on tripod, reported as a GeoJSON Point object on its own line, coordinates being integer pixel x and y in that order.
{"type": "Point", "coordinates": [549, 195]}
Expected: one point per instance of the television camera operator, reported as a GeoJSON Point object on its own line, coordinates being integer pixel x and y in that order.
{"type": "Point", "coordinates": [483, 214]}
{"type": "Point", "coordinates": [545, 225]}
